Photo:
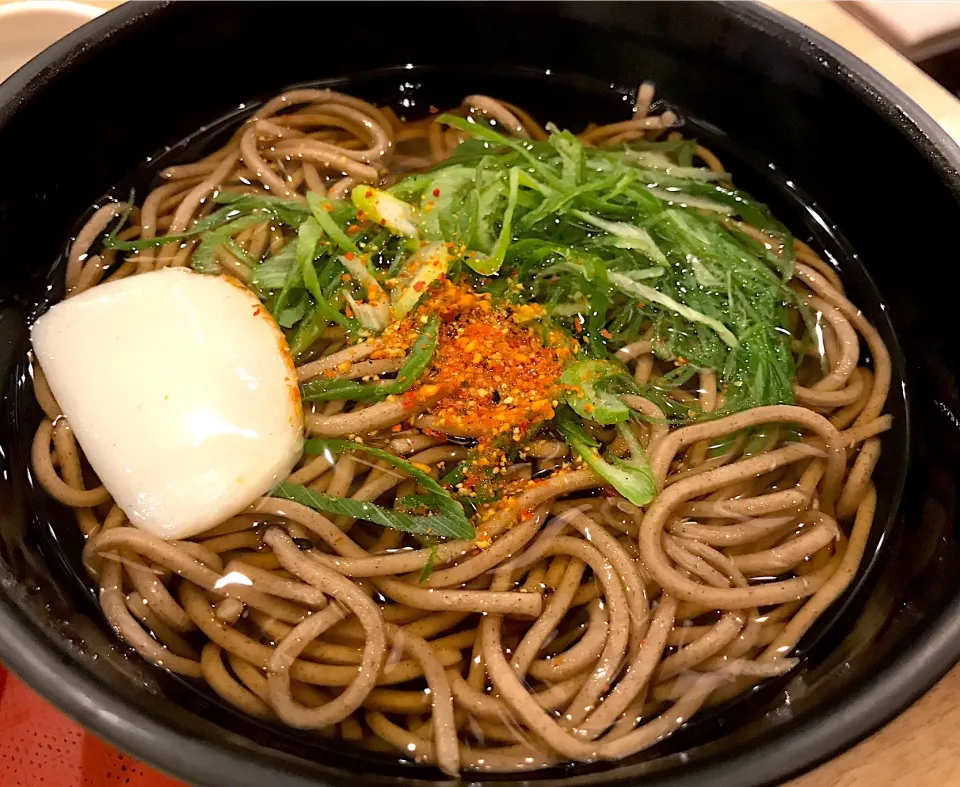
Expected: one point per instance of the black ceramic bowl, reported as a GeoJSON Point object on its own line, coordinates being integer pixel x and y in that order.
{"type": "Point", "coordinates": [848, 161]}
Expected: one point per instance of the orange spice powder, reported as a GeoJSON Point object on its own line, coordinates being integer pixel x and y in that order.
{"type": "Point", "coordinates": [495, 373]}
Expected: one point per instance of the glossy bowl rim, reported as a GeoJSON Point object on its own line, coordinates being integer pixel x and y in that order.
{"type": "Point", "coordinates": [775, 756]}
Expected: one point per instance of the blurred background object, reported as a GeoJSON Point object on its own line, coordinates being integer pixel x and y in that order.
{"type": "Point", "coordinates": [27, 28]}
{"type": "Point", "coordinates": [925, 31]}
{"type": "Point", "coordinates": [40, 747]}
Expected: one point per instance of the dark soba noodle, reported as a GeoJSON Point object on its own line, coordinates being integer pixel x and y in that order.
{"type": "Point", "coordinates": [584, 627]}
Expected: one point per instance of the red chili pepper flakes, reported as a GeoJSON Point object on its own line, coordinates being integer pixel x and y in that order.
{"type": "Point", "coordinates": [349, 255]}
{"type": "Point", "coordinates": [481, 346]}
{"type": "Point", "coordinates": [369, 193]}
{"type": "Point", "coordinates": [436, 192]}
{"type": "Point", "coordinates": [419, 286]}
{"type": "Point", "coordinates": [256, 311]}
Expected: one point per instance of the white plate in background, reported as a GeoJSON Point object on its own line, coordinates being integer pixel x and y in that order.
{"type": "Point", "coordinates": [918, 29]}
{"type": "Point", "coordinates": [29, 27]}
